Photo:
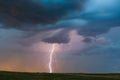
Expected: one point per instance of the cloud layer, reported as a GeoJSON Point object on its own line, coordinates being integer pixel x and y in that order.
{"type": "Point", "coordinates": [90, 17]}
{"type": "Point", "coordinates": [22, 13]}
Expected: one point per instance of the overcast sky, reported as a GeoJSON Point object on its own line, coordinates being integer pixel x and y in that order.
{"type": "Point", "coordinates": [86, 34]}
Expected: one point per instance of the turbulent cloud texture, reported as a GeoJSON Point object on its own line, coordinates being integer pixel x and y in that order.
{"type": "Point", "coordinates": [90, 17]}
{"type": "Point", "coordinates": [22, 13]}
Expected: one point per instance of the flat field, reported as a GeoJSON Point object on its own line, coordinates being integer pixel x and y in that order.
{"type": "Point", "coordinates": [55, 76]}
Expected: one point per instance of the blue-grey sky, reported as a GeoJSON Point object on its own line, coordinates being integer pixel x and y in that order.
{"type": "Point", "coordinates": [86, 33]}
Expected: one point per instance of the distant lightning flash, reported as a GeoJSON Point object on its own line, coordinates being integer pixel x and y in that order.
{"type": "Point", "coordinates": [51, 58]}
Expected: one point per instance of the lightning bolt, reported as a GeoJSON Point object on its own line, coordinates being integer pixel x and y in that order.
{"type": "Point", "coordinates": [51, 58]}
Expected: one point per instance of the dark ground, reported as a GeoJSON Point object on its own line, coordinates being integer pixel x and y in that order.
{"type": "Point", "coordinates": [46, 76]}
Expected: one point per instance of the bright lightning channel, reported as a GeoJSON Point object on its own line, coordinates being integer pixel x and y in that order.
{"type": "Point", "coordinates": [51, 58]}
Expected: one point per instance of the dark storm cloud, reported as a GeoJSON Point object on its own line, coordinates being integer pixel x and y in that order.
{"type": "Point", "coordinates": [88, 40]}
{"type": "Point", "coordinates": [39, 16]}
{"type": "Point", "coordinates": [43, 15]}
{"type": "Point", "coordinates": [26, 13]}
{"type": "Point", "coordinates": [66, 26]}
{"type": "Point", "coordinates": [60, 37]}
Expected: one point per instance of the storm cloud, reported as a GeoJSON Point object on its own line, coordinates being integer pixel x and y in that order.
{"type": "Point", "coordinates": [22, 13]}
{"type": "Point", "coordinates": [44, 15]}
{"type": "Point", "coordinates": [60, 37]}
